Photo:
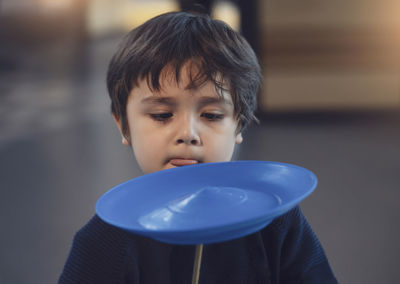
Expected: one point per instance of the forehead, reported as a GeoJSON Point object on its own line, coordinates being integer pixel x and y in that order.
{"type": "Point", "coordinates": [188, 80]}
{"type": "Point", "coordinates": [171, 92]}
{"type": "Point", "coordinates": [190, 75]}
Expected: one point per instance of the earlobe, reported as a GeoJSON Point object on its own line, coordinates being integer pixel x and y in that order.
{"type": "Point", "coordinates": [125, 141]}
{"type": "Point", "coordinates": [239, 138]}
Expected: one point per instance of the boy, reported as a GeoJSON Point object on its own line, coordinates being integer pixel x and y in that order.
{"type": "Point", "coordinates": [183, 88]}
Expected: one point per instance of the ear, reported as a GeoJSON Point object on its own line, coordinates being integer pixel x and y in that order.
{"type": "Point", "coordinates": [239, 138]}
{"type": "Point", "coordinates": [118, 122]}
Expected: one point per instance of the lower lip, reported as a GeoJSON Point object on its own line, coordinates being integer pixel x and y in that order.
{"type": "Point", "coordinates": [182, 162]}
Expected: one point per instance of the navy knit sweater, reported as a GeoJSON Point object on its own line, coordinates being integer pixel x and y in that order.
{"type": "Point", "coordinates": [286, 251]}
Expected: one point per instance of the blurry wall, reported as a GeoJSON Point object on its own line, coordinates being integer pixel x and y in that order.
{"type": "Point", "coordinates": [330, 55]}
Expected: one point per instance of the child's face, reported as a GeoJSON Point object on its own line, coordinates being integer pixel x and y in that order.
{"type": "Point", "coordinates": [177, 127]}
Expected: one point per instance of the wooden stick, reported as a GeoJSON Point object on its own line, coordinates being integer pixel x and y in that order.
{"type": "Point", "coordinates": [197, 264]}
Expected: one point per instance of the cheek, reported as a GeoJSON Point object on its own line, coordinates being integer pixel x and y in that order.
{"type": "Point", "coordinates": [148, 154]}
{"type": "Point", "coordinates": [220, 147]}
{"type": "Point", "coordinates": [143, 141]}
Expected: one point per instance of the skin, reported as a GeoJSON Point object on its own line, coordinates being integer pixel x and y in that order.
{"type": "Point", "coordinates": [179, 126]}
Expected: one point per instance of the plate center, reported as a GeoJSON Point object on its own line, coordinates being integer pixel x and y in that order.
{"type": "Point", "coordinates": [209, 196]}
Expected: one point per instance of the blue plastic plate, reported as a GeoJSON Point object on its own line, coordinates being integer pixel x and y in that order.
{"type": "Point", "coordinates": [206, 203]}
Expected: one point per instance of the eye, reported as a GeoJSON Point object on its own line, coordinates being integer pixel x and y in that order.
{"type": "Point", "coordinates": [212, 116]}
{"type": "Point", "coordinates": [161, 116]}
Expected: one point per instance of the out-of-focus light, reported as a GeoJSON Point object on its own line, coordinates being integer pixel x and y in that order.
{"type": "Point", "coordinates": [227, 12]}
{"type": "Point", "coordinates": [123, 15]}
{"type": "Point", "coordinates": [54, 5]}
{"type": "Point", "coordinates": [145, 10]}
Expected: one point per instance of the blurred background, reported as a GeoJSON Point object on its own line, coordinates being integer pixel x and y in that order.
{"type": "Point", "coordinates": [330, 103]}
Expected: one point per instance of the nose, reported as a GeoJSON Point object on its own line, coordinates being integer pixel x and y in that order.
{"type": "Point", "coordinates": [188, 132]}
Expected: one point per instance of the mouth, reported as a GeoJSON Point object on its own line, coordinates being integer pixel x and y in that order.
{"type": "Point", "coordinates": [179, 162]}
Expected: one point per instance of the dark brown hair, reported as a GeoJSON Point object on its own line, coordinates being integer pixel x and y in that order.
{"type": "Point", "coordinates": [219, 53]}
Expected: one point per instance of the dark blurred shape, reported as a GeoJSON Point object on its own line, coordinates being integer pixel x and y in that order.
{"type": "Point", "coordinates": [249, 25]}
{"type": "Point", "coordinates": [199, 6]}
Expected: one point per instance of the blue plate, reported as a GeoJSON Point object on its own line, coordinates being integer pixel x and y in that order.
{"type": "Point", "coordinates": [206, 203]}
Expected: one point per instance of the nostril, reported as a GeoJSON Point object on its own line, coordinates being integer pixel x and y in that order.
{"type": "Point", "coordinates": [190, 141]}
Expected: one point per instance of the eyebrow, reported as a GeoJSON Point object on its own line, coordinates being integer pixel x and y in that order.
{"type": "Point", "coordinates": [159, 100]}
{"type": "Point", "coordinates": [203, 101]}
{"type": "Point", "coordinates": [206, 100]}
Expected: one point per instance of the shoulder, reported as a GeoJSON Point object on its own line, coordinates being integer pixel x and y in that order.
{"type": "Point", "coordinates": [287, 226]}
{"type": "Point", "coordinates": [98, 252]}
{"type": "Point", "coordinates": [98, 238]}
{"type": "Point", "coordinates": [98, 231]}
{"type": "Point", "coordinates": [291, 242]}
{"type": "Point", "coordinates": [293, 218]}
{"type": "Point", "coordinates": [290, 227]}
